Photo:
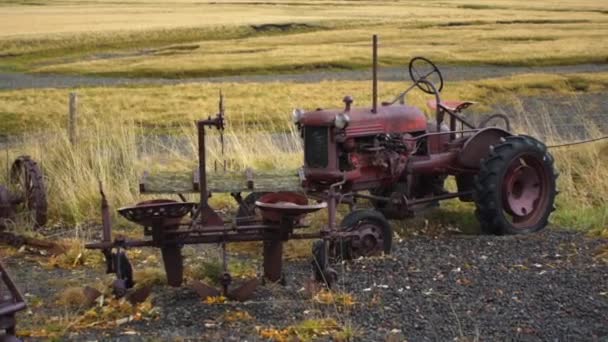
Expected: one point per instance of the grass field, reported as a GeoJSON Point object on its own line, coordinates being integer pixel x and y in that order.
{"type": "Point", "coordinates": [265, 106]}
{"type": "Point", "coordinates": [111, 136]}
{"type": "Point", "coordinates": [190, 38]}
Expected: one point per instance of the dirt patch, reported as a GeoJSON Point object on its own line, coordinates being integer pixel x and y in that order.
{"type": "Point", "coordinates": [182, 47]}
{"type": "Point", "coordinates": [9, 55]}
{"type": "Point", "coordinates": [464, 23]}
{"type": "Point", "coordinates": [514, 22]}
{"type": "Point", "coordinates": [524, 39]}
{"type": "Point", "coordinates": [281, 27]}
{"type": "Point", "coordinates": [543, 21]}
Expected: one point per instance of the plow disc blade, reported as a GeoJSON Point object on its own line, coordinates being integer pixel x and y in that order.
{"type": "Point", "coordinates": [245, 291]}
{"type": "Point", "coordinates": [139, 296]}
{"type": "Point", "coordinates": [204, 290]}
{"type": "Point", "coordinates": [241, 293]}
{"type": "Point", "coordinates": [90, 294]}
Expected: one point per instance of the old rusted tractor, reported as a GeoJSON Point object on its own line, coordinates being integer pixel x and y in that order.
{"type": "Point", "coordinates": [388, 154]}
{"type": "Point", "coordinates": [394, 157]}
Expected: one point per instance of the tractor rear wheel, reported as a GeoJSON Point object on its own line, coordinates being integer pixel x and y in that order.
{"type": "Point", "coordinates": [515, 187]}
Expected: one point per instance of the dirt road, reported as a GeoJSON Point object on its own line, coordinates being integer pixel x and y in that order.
{"type": "Point", "coordinates": [451, 73]}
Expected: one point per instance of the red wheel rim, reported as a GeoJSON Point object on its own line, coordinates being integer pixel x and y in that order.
{"type": "Point", "coordinates": [525, 191]}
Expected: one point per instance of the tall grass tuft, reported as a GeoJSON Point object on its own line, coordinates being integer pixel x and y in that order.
{"type": "Point", "coordinates": [105, 152]}
{"type": "Point", "coordinates": [116, 154]}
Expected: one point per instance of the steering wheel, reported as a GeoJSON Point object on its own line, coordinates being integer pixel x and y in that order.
{"type": "Point", "coordinates": [422, 69]}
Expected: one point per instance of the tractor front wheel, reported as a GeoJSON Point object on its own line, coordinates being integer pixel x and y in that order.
{"type": "Point", "coordinates": [371, 235]}
{"type": "Point", "coordinates": [515, 187]}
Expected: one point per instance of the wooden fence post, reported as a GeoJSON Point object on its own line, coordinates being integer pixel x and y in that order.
{"type": "Point", "coordinates": [72, 118]}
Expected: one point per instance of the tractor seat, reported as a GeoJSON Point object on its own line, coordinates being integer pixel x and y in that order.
{"type": "Point", "coordinates": [451, 105]}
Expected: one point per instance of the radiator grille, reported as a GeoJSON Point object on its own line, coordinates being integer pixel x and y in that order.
{"type": "Point", "coordinates": [316, 146]}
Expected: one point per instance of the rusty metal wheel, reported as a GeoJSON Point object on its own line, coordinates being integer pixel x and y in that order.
{"type": "Point", "coordinates": [373, 235]}
{"type": "Point", "coordinates": [515, 188]}
{"type": "Point", "coordinates": [27, 186]}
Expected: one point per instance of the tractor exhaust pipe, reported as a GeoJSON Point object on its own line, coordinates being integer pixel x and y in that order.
{"type": "Point", "coordinates": [375, 74]}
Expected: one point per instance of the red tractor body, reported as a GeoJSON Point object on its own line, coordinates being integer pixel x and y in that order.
{"type": "Point", "coordinates": [332, 154]}
{"type": "Point", "coordinates": [398, 159]}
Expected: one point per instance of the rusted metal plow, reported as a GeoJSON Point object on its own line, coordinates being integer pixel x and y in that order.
{"type": "Point", "coordinates": [166, 226]}
{"type": "Point", "coordinates": [11, 302]}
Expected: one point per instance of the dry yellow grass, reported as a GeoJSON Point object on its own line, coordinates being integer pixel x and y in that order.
{"type": "Point", "coordinates": [191, 38]}
{"type": "Point", "coordinates": [249, 106]}
{"type": "Point", "coordinates": [108, 148]}
{"type": "Point", "coordinates": [76, 16]}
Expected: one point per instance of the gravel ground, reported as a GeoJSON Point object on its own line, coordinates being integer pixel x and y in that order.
{"type": "Point", "coordinates": [452, 73]}
{"type": "Point", "coordinates": [543, 287]}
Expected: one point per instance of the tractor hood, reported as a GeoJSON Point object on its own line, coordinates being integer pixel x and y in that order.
{"type": "Point", "coordinates": [362, 121]}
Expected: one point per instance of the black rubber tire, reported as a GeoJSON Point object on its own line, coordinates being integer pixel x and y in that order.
{"type": "Point", "coordinates": [248, 207]}
{"type": "Point", "coordinates": [488, 195]}
{"type": "Point", "coordinates": [343, 250]}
